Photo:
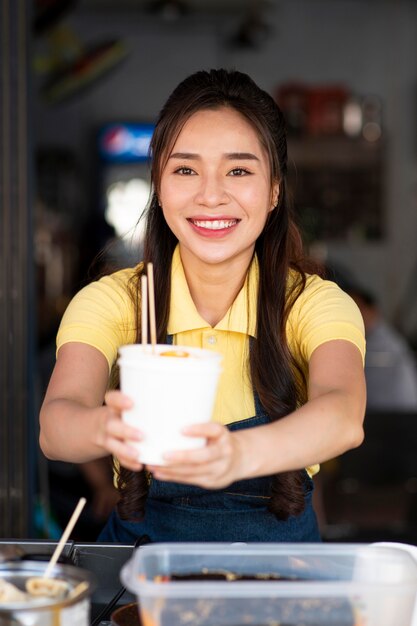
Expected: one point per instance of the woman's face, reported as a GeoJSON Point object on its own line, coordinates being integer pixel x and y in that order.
{"type": "Point", "coordinates": [215, 189]}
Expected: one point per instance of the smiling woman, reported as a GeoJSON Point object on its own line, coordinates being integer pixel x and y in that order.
{"type": "Point", "coordinates": [229, 277]}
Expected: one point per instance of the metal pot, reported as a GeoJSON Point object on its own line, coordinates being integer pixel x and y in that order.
{"type": "Point", "coordinates": [75, 609]}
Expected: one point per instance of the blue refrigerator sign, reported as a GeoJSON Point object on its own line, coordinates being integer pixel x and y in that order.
{"type": "Point", "coordinates": [125, 143]}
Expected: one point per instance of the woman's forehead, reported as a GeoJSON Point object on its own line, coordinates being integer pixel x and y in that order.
{"type": "Point", "coordinates": [224, 128]}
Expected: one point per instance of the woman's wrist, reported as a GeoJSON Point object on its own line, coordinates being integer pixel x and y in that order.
{"type": "Point", "coordinates": [248, 457]}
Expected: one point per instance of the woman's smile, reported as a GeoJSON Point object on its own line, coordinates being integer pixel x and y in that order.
{"type": "Point", "coordinates": [214, 226]}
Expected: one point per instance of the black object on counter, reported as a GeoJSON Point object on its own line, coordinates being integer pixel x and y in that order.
{"type": "Point", "coordinates": [106, 612]}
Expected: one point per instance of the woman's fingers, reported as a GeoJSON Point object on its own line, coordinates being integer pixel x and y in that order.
{"type": "Point", "coordinates": [125, 454]}
{"type": "Point", "coordinates": [216, 446]}
{"type": "Point", "coordinates": [118, 400]}
{"type": "Point", "coordinates": [210, 466]}
{"type": "Point", "coordinates": [206, 454]}
{"type": "Point", "coordinates": [213, 477]}
{"type": "Point", "coordinates": [115, 427]}
{"type": "Point", "coordinates": [116, 436]}
{"type": "Point", "coordinates": [210, 430]}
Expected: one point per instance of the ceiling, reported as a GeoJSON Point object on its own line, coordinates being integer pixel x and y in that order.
{"type": "Point", "coordinates": [195, 6]}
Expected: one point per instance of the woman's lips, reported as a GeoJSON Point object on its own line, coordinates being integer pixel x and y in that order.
{"type": "Point", "coordinates": [213, 227]}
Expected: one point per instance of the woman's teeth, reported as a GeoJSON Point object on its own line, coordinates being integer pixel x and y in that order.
{"type": "Point", "coordinates": [214, 224]}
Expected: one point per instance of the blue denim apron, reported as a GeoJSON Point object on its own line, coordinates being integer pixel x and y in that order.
{"type": "Point", "coordinates": [178, 512]}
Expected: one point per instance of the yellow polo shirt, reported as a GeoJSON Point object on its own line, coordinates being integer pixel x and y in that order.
{"type": "Point", "coordinates": [102, 316]}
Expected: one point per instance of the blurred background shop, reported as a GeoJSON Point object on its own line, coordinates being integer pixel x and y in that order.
{"type": "Point", "coordinates": [81, 85]}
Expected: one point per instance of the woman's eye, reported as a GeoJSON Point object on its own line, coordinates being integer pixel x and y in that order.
{"type": "Point", "coordinates": [239, 171]}
{"type": "Point", "coordinates": [184, 171]}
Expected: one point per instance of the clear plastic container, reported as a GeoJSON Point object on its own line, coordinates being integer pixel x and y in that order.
{"type": "Point", "coordinates": [321, 585]}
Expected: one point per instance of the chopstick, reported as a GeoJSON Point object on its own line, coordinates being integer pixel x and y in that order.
{"type": "Point", "coordinates": [144, 309]}
{"type": "Point", "coordinates": [65, 535]}
{"type": "Point", "coordinates": [148, 298]}
{"type": "Point", "coordinates": [152, 318]}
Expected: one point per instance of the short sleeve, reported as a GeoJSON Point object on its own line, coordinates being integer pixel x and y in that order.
{"type": "Point", "coordinates": [101, 315]}
{"type": "Point", "coordinates": [323, 312]}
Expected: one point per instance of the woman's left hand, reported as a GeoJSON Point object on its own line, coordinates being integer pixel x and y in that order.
{"type": "Point", "coordinates": [214, 466]}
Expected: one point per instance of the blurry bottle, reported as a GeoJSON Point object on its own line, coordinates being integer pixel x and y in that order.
{"type": "Point", "coordinates": [363, 117]}
{"type": "Point", "coordinates": [325, 109]}
{"type": "Point", "coordinates": [372, 118]}
{"type": "Point", "coordinates": [352, 117]}
{"type": "Point", "coordinates": [292, 98]}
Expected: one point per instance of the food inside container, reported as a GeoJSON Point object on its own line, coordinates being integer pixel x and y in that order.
{"type": "Point", "coordinates": [35, 588]}
{"type": "Point", "coordinates": [181, 354]}
{"type": "Point", "coordinates": [127, 615]}
{"type": "Point", "coordinates": [273, 584]}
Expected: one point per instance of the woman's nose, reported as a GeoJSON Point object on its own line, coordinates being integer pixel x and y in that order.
{"type": "Point", "coordinates": [212, 192]}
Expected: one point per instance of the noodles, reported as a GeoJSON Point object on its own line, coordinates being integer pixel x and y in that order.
{"type": "Point", "coordinates": [47, 587]}
{"type": "Point", "coordinates": [36, 588]}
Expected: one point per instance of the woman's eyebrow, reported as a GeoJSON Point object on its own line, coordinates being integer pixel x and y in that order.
{"type": "Point", "coordinates": [184, 155]}
{"type": "Point", "coordinates": [243, 156]}
{"type": "Point", "coordinates": [232, 156]}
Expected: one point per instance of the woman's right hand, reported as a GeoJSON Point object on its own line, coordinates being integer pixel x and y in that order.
{"type": "Point", "coordinates": [115, 436]}
{"type": "Point", "coordinates": [79, 421]}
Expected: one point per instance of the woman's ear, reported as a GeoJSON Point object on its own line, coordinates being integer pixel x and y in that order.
{"type": "Point", "coordinates": [274, 196]}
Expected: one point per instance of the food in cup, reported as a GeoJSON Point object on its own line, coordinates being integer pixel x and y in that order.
{"type": "Point", "coordinates": [35, 587]}
{"type": "Point", "coordinates": [47, 587]}
{"type": "Point", "coordinates": [176, 353]}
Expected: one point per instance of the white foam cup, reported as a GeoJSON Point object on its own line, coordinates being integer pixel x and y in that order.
{"type": "Point", "coordinates": [168, 393]}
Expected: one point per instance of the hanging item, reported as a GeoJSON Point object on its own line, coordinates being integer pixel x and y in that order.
{"type": "Point", "coordinates": [68, 64]}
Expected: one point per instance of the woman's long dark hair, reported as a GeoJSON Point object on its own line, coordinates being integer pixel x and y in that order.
{"type": "Point", "coordinates": [275, 376]}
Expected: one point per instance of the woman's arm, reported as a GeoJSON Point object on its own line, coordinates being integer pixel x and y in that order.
{"type": "Point", "coordinates": [75, 424]}
{"type": "Point", "coordinates": [327, 425]}
{"type": "Point", "coordinates": [330, 423]}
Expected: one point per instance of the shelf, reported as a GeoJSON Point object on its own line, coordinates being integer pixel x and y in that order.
{"type": "Point", "coordinates": [335, 151]}
{"type": "Point", "coordinates": [337, 184]}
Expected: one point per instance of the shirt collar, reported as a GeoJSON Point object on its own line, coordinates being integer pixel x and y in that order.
{"type": "Point", "coordinates": [183, 316]}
